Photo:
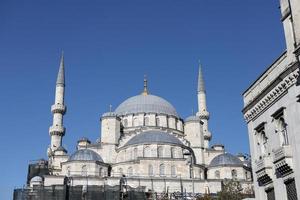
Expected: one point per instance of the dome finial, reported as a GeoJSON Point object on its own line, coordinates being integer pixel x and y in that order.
{"type": "Point", "coordinates": [110, 108]}
{"type": "Point", "coordinates": [145, 92]}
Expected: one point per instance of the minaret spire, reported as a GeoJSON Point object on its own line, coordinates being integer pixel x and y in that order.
{"type": "Point", "coordinates": [201, 85]}
{"type": "Point", "coordinates": [145, 91]}
{"type": "Point", "coordinates": [201, 91]}
{"type": "Point", "coordinates": [61, 73]}
{"type": "Point", "coordinates": [202, 107]}
{"type": "Point", "coordinates": [57, 130]}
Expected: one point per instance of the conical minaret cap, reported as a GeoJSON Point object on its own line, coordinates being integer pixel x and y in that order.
{"type": "Point", "coordinates": [201, 85]}
{"type": "Point", "coordinates": [61, 73]}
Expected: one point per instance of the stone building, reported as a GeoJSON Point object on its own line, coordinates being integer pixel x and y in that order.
{"type": "Point", "coordinates": [272, 113]}
{"type": "Point", "coordinates": [147, 142]}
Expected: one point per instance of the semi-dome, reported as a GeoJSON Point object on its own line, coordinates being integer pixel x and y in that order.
{"type": "Point", "coordinates": [225, 159]}
{"type": "Point", "coordinates": [85, 155]}
{"type": "Point", "coordinates": [145, 104]}
{"type": "Point", "coordinates": [36, 179]}
{"type": "Point", "coordinates": [154, 137]}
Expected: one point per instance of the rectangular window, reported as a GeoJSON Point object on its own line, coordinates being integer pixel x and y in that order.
{"type": "Point", "coordinates": [270, 194]}
{"type": "Point", "coordinates": [291, 189]}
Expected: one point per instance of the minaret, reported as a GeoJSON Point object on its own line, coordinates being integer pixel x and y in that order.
{"type": "Point", "coordinates": [202, 108]}
{"type": "Point", "coordinates": [57, 130]}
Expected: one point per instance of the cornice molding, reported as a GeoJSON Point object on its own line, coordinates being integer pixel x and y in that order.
{"type": "Point", "coordinates": [272, 96]}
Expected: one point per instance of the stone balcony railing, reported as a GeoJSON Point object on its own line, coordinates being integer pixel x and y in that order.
{"type": "Point", "coordinates": [282, 159]}
{"type": "Point", "coordinates": [281, 153]}
{"type": "Point", "coordinates": [263, 163]}
{"type": "Point", "coordinates": [264, 170]}
{"type": "Point", "coordinates": [57, 130]}
{"type": "Point", "coordinates": [58, 108]}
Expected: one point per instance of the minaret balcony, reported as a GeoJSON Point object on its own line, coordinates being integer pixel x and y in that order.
{"type": "Point", "coordinates": [282, 159]}
{"type": "Point", "coordinates": [264, 170]}
{"type": "Point", "coordinates": [58, 108]}
{"type": "Point", "coordinates": [203, 114]}
{"type": "Point", "coordinates": [57, 130]}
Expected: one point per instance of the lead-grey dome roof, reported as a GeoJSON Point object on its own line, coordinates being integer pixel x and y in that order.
{"type": "Point", "coordinates": [225, 159]}
{"type": "Point", "coordinates": [86, 155]}
{"type": "Point", "coordinates": [156, 137]}
{"type": "Point", "coordinates": [145, 104]}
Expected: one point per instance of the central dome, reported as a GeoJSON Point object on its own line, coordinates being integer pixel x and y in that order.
{"type": "Point", "coordinates": [153, 137]}
{"type": "Point", "coordinates": [146, 104]}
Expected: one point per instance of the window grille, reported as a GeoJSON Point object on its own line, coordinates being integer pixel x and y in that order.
{"type": "Point", "coordinates": [291, 190]}
{"type": "Point", "coordinates": [270, 194]}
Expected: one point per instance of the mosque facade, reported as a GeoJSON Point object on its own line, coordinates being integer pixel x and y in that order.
{"type": "Point", "coordinates": [145, 141]}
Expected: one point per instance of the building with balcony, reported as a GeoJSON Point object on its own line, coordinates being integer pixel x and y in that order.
{"type": "Point", "coordinates": [272, 112]}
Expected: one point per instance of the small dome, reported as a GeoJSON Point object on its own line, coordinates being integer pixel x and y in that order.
{"type": "Point", "coordinates": [225, 159]}
{"type": "Point", "coordinates": [153, 137]}
{"type": "Point", "coordinates": [36, 179]}
{"type": "Point", "coordinates": [146, 104]}
{"type": "Point", "coordinates": [85, 155]}
{"type": "Point", "coordinates": [84, 139]}
{"type": "Point", "coordinates": [192, 118]}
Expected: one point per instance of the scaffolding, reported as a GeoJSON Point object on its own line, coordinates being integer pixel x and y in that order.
{"type": "Point", "coordinates": [85, 192]}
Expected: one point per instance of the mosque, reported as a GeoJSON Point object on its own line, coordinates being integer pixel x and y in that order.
{"type": "Point", "coordinates": [145, 141]}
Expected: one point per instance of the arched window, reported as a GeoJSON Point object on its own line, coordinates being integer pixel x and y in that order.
{"type": "Point", "coordinates": [173, 171]}
{"type": "Point", "coordinates": [120, 171]}
{"type": "Point", "coordinates": [173, 152]}
{"type": "Point", "coordinates": [146, 121]}
{"type": "Point", "coordinates": [147, 152]}
{"type": "Point", "coordinates": [160, 152]}
{"type": "Point", "coordinates": [84, 170]}
{"type": "Point", "coordinates": [234, 174]}
{"type": "Point", "coordinates": [162, 170]}
{"type": "Point", "coordinates": [68, 171]}
{"type": "Point", "coordinates": [135, 153]}
{"type": "Point", "coordinates": [157, 121]}
{"type": "Point", "coordinates": [150, 170]}
{"type": "Point", "coordinates": [263, 142]}
{"type": "Point", "coordinates": [112, 173]}
{"type": "Point", "coordinates": [135, 121]}
{"type": "Point", "coordinates": [200, 174]}
{"type": "Point", "coordinates": [130, 171]}
{"type": "Point", "coordinates": [217, 174]}
{"type": "Point", "coordinates": [100, 172]}
{"type": "Point", "coordinates": [125, 123]}
{"type": "Point", "coordinates": [282, 131]}
{"type": "Point", "coordinates": [246, 175]}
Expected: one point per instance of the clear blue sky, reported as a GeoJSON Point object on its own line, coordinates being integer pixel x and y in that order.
{"type": "Point", "coordinates": [109, 46]}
